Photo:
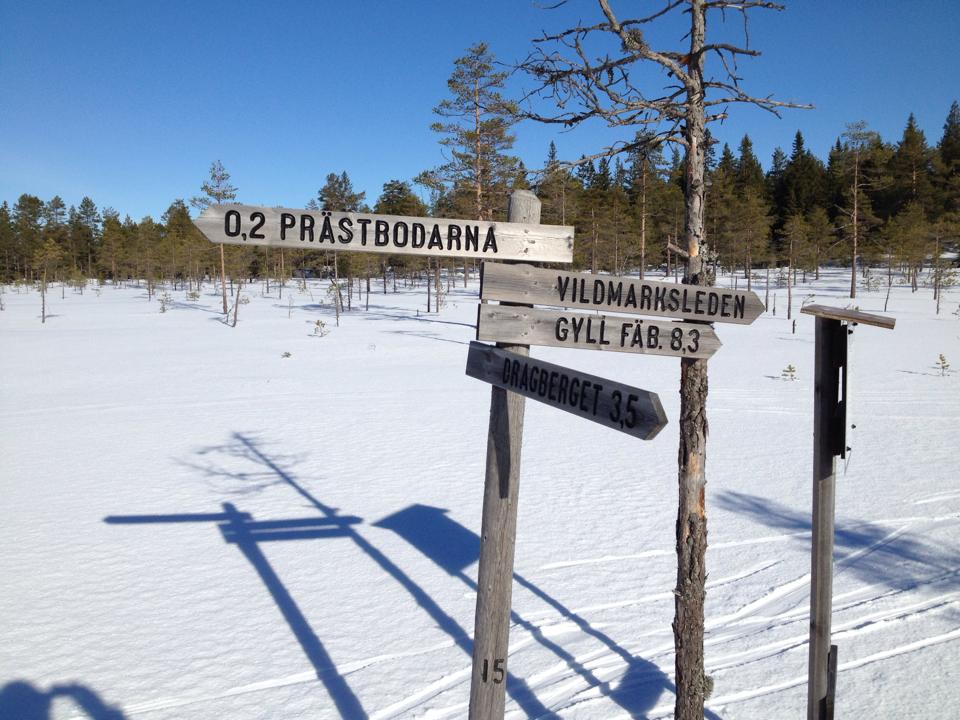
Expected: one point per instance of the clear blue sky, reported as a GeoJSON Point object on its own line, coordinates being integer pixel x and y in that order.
{"type": "Point", "coordinates": [129, 102]}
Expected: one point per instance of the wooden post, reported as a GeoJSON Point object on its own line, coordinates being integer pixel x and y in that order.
{"type": "Point", "coordinates": [829, 440]}
{"type": "Point", "coordinates": [499, 525]}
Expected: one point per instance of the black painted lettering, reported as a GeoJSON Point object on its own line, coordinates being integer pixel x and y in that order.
{"type": "Point", "coordinates": [723, 306]}
{"type": "Point", "coordinates": [524, 378]}
{"type": "Point", "coordinates": [645, 294]}
{"type": "Point", "coordinates": [552, 389]}
{"type": "Point", "coordinates": [381, 233]}
{"type": "Point", "coordinates": [590, 340]}
{"type": "Point", "coordinates": [599, 291]}
{"type": "Point", "coordinates": [583, 289]}
{"type": "Point", "coordinates": [683, 306]}
{"type": "Point", "coordinates": [562, 284]}
{"type": "Point", "coordinates": [418, 236]}
{"type": "Point", "coordinates": [306, 227]}
{"type": "Point", "coordinates": [603, 327]}
{"type": "Point", "coordinates": [562, 389]}
{"type": "Point", "coordinates": [491, 242]}
{"type": "Point", "coordinates": [231, 223]}
{"type": "Point", "coordinates": [577, 327]}
{"type": "Point", "coordinates": [637, 338]}
{"type": "Point", "coordinates": [258, 221]}
{"type": "Point", "coordinates": [659, 299]}
{"type": "Point", "coordinates": [345, 225]}
{"type": "Point", "coordinates": [287, 222]}
{"type": "Point", "coordinates": [631, 300]}
{"type": "Point", "coordinates": [506, 371]}
{"type": "Point", "coordinates": [453, 234]}
{"type": "Point", "coordinates": [472, 239]}
{"type": "Point", "coordinates": [543, 383]}
{"type": "Point", "coordinates": [624, 331]}
{"type": "Point", "coordinates": [436, 240]}
{"type": "Point", "coordinates": [574, 391]}
{"type": "Point", "coordinates": [583, 396]}
{"type": "Point", "coordinates": [561, 330]}
{"type": "Point", "coordinates": [614, 293]}
{"type": "Point", "coordinates": [698, 302]}
{"type": "Point", "coordinates": [673, 299]}
{"type": "Point", "coordinates": [515, 373]}
{"type": "Point", "coordinates": [326, 232]}
{"type": "Point", "coordinates": [739, 306]}
{"type": "Point", "coordinates": [399, 241]}
{"type": "Point", "coordinates": [597, 389]}
{"type": "Point", "coordinates": [713, 302]}
{"type": "Point", "coordinates": [363, 222]}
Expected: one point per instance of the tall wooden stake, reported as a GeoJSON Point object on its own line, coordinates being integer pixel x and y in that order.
{"type": "Point", "coordinates": [499, 526]}
{"type": "Point", "coordinates": [829, 439]}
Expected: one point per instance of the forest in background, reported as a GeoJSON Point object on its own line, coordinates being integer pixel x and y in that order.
{"type": "Point", "coordinates": [872, 203]}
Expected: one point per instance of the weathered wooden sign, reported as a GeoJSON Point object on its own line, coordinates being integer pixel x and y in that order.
{"type": "Point", "coordinates": [621, 407]}
{"type": "Point", "coordinates": [537, 286]}
{"type": "Point", "coordinates": [393, 234]}
{"type": "Point", "coordinates": [556, 328]}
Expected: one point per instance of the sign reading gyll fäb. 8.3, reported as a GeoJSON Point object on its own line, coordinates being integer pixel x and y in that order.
{"type": "Point", "coordinates": [556, 328]}
{"type": "Point", "coordinates": [393, 234]}
{"type": "Point", "coordinates": [536, 286]}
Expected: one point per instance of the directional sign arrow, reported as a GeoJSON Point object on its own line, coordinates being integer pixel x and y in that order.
{"type": "Point", "coordinates": [521, 325]}
{"type": "Point", "coordinates": [621, 407]}
{"type": "Point", "coordinates": [392, 234]}
{"type": "Point", "coordinates": [609, 293]}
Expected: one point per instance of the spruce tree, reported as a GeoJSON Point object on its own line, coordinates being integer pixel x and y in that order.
{"type": "Point", "coordinates": [217, 191]}
{"type": "Point", "coordinates": [910, 170]}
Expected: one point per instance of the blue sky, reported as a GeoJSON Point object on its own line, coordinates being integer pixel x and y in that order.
{"type": "Point", "coordinates": [129, 102]}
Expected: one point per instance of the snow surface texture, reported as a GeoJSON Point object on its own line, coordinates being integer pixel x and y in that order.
{"type": "Point", "coordinates": [198, 527]}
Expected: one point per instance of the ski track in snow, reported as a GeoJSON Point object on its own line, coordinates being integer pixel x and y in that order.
{"type": "Point", "coordinates": [591, 637]}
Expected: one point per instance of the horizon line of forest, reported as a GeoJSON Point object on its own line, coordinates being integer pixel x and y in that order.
{"type": "Point", "coordinates": [869, 202]}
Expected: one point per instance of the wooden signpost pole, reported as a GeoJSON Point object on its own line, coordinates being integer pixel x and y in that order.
{"type": "Point", "coordinates": [830, 398]}
{"type": "Point", "coordinates": [499, 525]}
{"type": "Point", "coordinates": [828, 436]}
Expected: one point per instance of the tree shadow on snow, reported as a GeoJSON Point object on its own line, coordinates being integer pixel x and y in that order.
{"type": "Point", "coordinates": [19, 700]}
{"type": "Point", "coordinates": [877, 553]}
{"type": "Point", "coordinates": [454, 548]}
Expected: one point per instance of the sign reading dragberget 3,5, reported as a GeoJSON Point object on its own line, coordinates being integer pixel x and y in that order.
{"type": "Point", "coordinates": [393, 234]}
{"type": "Point", "coordinates": [537, 286]}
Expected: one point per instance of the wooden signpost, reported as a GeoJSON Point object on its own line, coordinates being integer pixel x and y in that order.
{"type": "Point", "coordinates": [621, 407]}
{"type": "Point", "coordinates": [554, 328]}
{"type": "Point", "coordinates": [830, 396]}
{"type": "Point", "coordinates": [392, 234]}
{"type": "Point", "coordinates": [526, 284]}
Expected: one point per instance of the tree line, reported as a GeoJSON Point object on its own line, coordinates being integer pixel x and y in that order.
{"type": "Point", "coordinates": [871, 202]}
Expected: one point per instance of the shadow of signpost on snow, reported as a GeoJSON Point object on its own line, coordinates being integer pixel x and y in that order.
{"type": "Point", "coordinates": [239, 528]}
{"type": "Point", "coordinates": [878, 553]}
{"type": "Point", "coordinates": [268, 471]}
{"type": "Point", "coordinates": [455, 548]}
{"type": "Point", "coordinates": [19, 700]}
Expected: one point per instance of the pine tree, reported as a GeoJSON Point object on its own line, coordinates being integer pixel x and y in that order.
{"type": "Point", "coordinates": [217, 191]}
{"type": "Point", "coordinates": [948, 163]}
{"type": "Point", "coordinates": [398, 198]}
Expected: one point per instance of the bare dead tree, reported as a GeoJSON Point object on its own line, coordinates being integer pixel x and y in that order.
{"type": "Point", "coordinates": [592, 72]}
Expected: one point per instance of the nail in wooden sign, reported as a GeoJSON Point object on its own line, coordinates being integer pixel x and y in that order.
{"type": "Point", "coordinates": [538, 286]}
{"type": "Point", "coordinates": [392, 234]}
{"type": "Point", "coordinates": [614, 333]}
{"type": "Point", "coordinates": [621, 407]}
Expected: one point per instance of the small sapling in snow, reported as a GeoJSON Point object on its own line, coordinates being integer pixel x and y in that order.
{"type": "Point", "coordinates": [942, 365]}
{"type": "Point", "coordinates": [320, 328]}
{"type": "Point", "coordinates": [165, 301]}
{"type": "Point", "coordinates": [286, 355]}
{"type": "Point", "coordinates": [789, 373]}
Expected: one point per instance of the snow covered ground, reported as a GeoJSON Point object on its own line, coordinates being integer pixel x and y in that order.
{"type": "Point", "coordinates": [196, 526]}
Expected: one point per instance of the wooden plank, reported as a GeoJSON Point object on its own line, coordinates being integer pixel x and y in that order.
{"type": "Point", "coordinates": [498, 526]}
{"type": "Point", "coordinates": [853, 316]}
{"type": "Point", "coordinates": [556, 328]}
{"type": "Point", "coordinates": [829, 345]}
{"type": "Point", "coordinates": [527, 284]}
{"type": "Point", "coordinates": [621, 407]}
{"type": "Point", "coordinates": [392, 234]}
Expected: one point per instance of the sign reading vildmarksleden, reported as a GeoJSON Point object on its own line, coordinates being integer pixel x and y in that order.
{"type": "Point", "coordinates": [392, 234]}
{"type": "Point", "coordinates": [609, 293]}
